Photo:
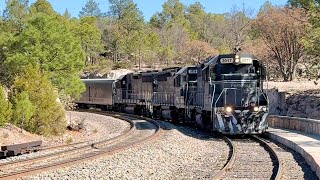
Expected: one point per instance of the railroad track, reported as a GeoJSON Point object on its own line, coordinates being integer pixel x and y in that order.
{"type": "Point", "coordinates": [141, 131]}
{"type": "Point", "coordinates": [250, 158]}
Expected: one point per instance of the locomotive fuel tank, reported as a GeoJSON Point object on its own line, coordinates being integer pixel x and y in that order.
{"type": "Point", "coordinates": [169, 114]}
{"type": "Point", "coordinates": [129, 110]}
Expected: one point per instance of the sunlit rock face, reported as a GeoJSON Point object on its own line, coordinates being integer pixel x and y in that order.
{"type": "Point", "coordinates": [305, 104]}
{"type": "Point", "coordinates": [113, 74]}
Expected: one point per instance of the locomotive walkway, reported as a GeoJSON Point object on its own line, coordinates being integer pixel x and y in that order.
{"type": "Point", "coordinates": [301, 135]}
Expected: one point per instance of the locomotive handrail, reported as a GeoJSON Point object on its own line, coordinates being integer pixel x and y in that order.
{"type": "Point", "coordinates": [215, 104]}
{"type": "Point", "coordinates": [226, 89]}
{"type": "Point", "coordinates": [230, 81]}
{"type": "Point", "coordinates": [166, 98]}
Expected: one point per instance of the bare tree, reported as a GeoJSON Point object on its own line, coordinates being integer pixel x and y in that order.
{"type": "Point", "coordinates": [238, 22]}
{"type": "Point", "coordinates": [281, 30]}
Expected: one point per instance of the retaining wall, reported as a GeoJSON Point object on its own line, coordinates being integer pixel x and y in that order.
{"type": "Point", "coordinates": [310, 126]}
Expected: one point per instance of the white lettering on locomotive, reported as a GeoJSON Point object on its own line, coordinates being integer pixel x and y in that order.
{"type": "Point", "coordinates": [226, 60]}
{"type": "Point", "coordinates": [245, 60]}
{"type": "Point", "coordinates": [239, 85]}
{"type": "Point", "coordinates": [192, 71]}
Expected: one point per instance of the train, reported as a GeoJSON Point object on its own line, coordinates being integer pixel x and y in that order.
{"type": "Point", "coordinates": [225, 94]}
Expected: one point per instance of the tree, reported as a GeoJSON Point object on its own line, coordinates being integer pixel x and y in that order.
{"type": "Point", "coordinates": [90, 36]}
{"type": "Point", "coordinates": [23, 110]}
{"type": "Point", "coordinates": [219, 37]}
{"type": "Point", "coordinates": [197, 16]}
{"type": "Point", "coordinates": [122, 33]}
{"type": "Point", "coordinates": [311, 40]}
{"type": "Point", "coordinates": [67, 14]}
{"type": "Point", "coordinates": [42, 6]}
{"type": "Point", "coordinates": [174, 12]}
{"type": "Point", "coordinates": [5, 108]}
{"type": "Point", "coordinates": [306, 4]}
{"type": "Point", "coordinates": [153, 47]}
{"type": "Point", "coordinates": [265, 7]}
{"type": "Point", "coordinates": [118, 8]}
{"type": "Point", "coordinates": [113, 39]}
{"type": "Point", "coordinates": [199, 50]}
{"type": "Point", "coordinates": [283, 39]}
{"type": "Point", "coordinates": [91, 9]}
{"type": "Point", "coordinates": [49, 116]}
{"type": "Point", "coordinates": [157, 21]}
{"type": "Point", "coordinates": [48, 40]}
{"type": "Point", "coordinates": [238, 22]}
{"type": "Point", "coordinates": [15, 14]}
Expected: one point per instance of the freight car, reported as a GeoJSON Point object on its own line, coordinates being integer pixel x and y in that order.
{"type": "Point", "coordinates": [224, 94]}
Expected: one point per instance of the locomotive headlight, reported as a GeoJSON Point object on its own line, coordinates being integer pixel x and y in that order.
{"type": "Point", "coordinates": [237, 60]}
{"type": "Point", "coordinates": [229, 109]}
{"type": "Point", "coordinates": [256, 109]}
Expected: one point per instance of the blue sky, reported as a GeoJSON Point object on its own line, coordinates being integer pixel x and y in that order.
{"type": "Point", "coordinates": [149, 7]}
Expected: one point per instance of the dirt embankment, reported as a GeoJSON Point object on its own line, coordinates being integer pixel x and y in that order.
{"type": "Point", "coordinates": [95, 127]}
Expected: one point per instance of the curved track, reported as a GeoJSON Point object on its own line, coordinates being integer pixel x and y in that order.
{"type": "Point", "coordinates": [250, 158]}
{"type": "Point", "coordinates": [142, 130]}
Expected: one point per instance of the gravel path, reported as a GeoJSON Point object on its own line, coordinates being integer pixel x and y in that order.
{"type": "Point", "coordinates": [179, 153]}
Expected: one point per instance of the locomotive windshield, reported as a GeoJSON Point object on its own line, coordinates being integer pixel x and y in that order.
{"type": "Point", "coordinates": [236, 69]}
{"type": "Point", "coordinates": [222, 72]}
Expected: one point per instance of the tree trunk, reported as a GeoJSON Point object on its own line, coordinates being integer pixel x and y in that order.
{"type": "Point", "coordinates": [139, 59]}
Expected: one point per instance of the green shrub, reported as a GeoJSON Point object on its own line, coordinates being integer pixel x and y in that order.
{"type": "Point", "coordinates": [5, 108]}
{"type": "Point", "coordinates": [49, 115]}
{"type": "Point", "coordinates": [23, 110]}
{"type": "Point", "coordinates": [67, 101]}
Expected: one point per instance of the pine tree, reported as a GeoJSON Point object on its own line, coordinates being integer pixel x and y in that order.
{"type": "Point", "coordinates": [5, 108]}
{"type": "Point", "coordinates": [49, 41]}
{"type": "Point", "coordinates": [90, 36]}
{"type": "Point", "coordinates": [49, 116]}
{"type": "Point", "coordinates": [42, 6]}
{"type": "Point", "coordinates": [66, 14]}
{"type": "Point", "coordinates": [15, 14]}
{"type": "Point", "coordinates": [91, 9]}
{"type": "Point", "coordinates": [23, 110]}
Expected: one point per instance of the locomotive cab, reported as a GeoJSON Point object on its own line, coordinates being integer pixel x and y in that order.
{"type": "Point", "coordinates": [239, 102]}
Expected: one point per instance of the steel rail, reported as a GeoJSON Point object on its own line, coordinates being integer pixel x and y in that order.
{"type": "Point", "coordinates": [277, 173]}
{"type": "Point", "coordinates": [106, 141]}
{"type": "Point", "coordinates": [277, 167]}
{"type": "Point", "coordinates": [92, 155]}
{"type": "Point", "coordinates": [230, 161]}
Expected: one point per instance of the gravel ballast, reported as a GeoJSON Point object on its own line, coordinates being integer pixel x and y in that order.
{"type": "Point", "coordinates": [179, 153]}
{"type": "Point", "coordinates": [294, 166]}
{"type": "Point", "coordinates": [97, 128]}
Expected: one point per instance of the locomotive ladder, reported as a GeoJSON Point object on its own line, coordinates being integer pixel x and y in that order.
{"type": "Point", "coordinates": [188, 103]}
{"type": "Point", "coordinates": [149, 107]}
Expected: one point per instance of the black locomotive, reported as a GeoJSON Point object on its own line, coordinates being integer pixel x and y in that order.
{"type": "Point", "coordinates": [224, 94]}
